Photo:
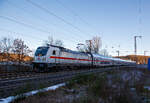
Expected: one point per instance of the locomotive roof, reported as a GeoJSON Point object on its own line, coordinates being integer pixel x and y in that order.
{"type": "Point", "coordinates": [94, 55]}
{"type": "Point", "coordinates": [68, 50]}
{"type": "Point", "coordinates": [110, 58]}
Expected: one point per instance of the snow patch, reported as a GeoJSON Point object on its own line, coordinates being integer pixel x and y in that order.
{"type": "Point", "coordinates": [126, 76]}
{"type": "Point", "coordinates": [9, 99]}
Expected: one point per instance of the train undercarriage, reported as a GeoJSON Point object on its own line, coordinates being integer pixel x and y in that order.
{"type": "Point", "coordinates": [45, 67]}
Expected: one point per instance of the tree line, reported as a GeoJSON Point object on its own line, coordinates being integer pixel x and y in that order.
{"type": "Point", "coordinates": [20, 49]}
{"type": "Point", "coordinates": [10, 48]}
{"type": "Point", "coordinates": [93, 45]}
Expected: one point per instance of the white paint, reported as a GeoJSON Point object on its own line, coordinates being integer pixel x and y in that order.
{"type": "Point", "coordinates": [9, 99]}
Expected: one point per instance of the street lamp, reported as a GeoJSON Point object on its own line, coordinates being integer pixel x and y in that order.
{"type": "Point", "coordinates": [135, 45]}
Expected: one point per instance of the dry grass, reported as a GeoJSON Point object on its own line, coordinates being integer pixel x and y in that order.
{"type": "Point", "coordinates": [14, 57]}
{"type": "Point", "coordinates": [56, 96]}
{"type": "Point", "coordinates": [87, 89]}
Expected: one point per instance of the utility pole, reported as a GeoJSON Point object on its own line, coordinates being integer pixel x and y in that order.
{"type": "Point", "coordinates": [118, 52]}
{"type": "Point", "coordinates": [90, 48]}
{"type": "Point", "coordinates": [90, 45]}
{"type": "Point", "coordinates": [135, 45]}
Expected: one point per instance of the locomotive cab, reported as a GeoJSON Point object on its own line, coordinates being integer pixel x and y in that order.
{"type": "Point", "coordinates": [43, 57]}
{"type": "Point", "coordinates": [40, 58]}
{"type": "Point", "coordinates": [40, 54]}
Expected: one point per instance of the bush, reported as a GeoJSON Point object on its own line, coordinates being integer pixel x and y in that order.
{"type": "Point", "coordinates": [124, 97]}
{"type": "Point", "coordinates": [99, 87]}
{"type": "Point", "coordinates": [88, 99]}
{"type": "Point", "coordinates": [42, 94]}
{"type": "Point", "coordinates": [81, 80]}
{"type": "Point", "coordinates": [23, 89]}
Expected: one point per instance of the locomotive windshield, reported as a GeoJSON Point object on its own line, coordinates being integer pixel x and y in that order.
{"type": "Point", "coordinates": [41, 51]}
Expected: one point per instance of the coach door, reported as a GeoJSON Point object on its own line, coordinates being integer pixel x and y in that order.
{"type": "Point", "coordinates": [55, 54]}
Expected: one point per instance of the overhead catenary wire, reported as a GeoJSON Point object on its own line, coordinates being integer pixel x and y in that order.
{"type": "Point", "coordinates": [24, 24]}
{"type": "Point", "coordinates": [73, 37]}
{"type": "Point", "coordinates": [140, 19]}
{"type": "Point", "coordinates": [27, 25]}
{"type": "Point", "coordinates": [58, 17]}
{"type": "Point", "coordinates": [140, 16]}
{"type": "Point", "coordinates": [18, 33]}
{"type": "Point", "coordinates": [75, 14]}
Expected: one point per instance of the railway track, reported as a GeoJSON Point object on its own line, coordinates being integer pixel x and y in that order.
{"type": "Point", "coordinates": [13, 75]}
{"type": "Point", "coordinates": [51, 78]}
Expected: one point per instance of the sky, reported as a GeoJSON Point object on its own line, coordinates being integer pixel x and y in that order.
{"type": "Point", "coordinates": [74, 21]}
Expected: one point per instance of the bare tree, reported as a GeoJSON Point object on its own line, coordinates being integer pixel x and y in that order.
{"type": "Point", "coordinates": [93, 45]}
{"type": "Point", "coordinates": [21, 49]}
{"type": "Point", "coordinates": [51, 41]}
{"type": "Point", "coordinates": [88, 46]}
{"type": "Point", "coordinates": [96, 44]}
{"type": "Point", "coordinates": [104, 52]}
{"type": "Point", "coordinates": [6, 46]}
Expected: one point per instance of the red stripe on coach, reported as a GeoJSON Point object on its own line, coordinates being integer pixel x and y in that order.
{"type": "Point", "coordinates": [54, 57]}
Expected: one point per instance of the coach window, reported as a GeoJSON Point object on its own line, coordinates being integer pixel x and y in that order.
{"type": "Point", "coordinates": [54, 52]}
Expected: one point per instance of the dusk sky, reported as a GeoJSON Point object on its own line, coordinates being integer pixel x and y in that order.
{"type": "Point", "coordinates": [74, 21]}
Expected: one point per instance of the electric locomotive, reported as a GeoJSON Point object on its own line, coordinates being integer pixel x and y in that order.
{"type": "Point", "coordinates": [48, 57]}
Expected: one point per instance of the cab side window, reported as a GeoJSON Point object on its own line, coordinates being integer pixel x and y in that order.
{"type": "Point", "coordinates": [54, 52]}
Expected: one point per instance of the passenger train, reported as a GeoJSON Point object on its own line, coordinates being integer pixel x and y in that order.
{"type": "Point", "coordinates": [48, 57]}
